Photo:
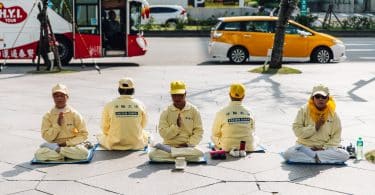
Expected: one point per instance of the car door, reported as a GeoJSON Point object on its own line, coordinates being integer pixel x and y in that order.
{"type": "Point", "coordinates": [257, 37]}
{"type": "Point", "coordinates": [296, 42]}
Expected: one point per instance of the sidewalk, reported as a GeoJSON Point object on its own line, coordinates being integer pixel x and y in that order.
{"type": "Point", "coordinates": [274, 100]}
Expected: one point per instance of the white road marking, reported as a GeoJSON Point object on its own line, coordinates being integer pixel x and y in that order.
{"type": "Point", "coordinates": [360, 50]}
{"type": "Point", "coordinates": [367, 58]}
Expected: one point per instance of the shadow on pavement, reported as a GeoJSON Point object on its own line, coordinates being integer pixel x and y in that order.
{"type": "Point", "coordinates": [300, 172]}
{"type": "Point", "coordinates": [103, 155]}
{"type": "Point", "coordinates": [275, 86]}
{"type": "Point", "coordinates": [358, 85]}
{"type": "Point", "coordinates": [23, 167]}
{"type": "Point", "coordinates": [146, 169]}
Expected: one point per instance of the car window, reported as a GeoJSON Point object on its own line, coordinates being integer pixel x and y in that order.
{"type": "Point", "coordinates": [257, 26]}
{"type": "Point", "coordinates": [230, 26]}
{"type": "Point", "coordinates": [162, 10]}
{"type": "Point", "coordinates": [293, 29]}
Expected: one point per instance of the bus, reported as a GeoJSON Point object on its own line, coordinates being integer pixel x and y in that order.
{"type": "Point", "coordinates": [83, 28]}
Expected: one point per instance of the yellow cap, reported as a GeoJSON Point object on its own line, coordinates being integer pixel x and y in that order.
{"type": "Point", "coordinates": [60, 88]}
{"type": "Point", "coordinates": [178, 87]}
{"type": "Point", "coordinates": [237, 90]}
{"type": "Point", "coordinates": [126, 83]}
{"type": "Point", "coordinates": [320, 89]}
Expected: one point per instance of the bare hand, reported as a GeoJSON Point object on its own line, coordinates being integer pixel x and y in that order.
{"type": "Point", "coordinates": [179, 120]}
{"type": "Point", "coordinates": [319, 123]}
{"type": "Point", "coordinates": [60, 119]}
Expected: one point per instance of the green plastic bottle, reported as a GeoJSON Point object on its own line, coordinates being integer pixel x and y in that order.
{"type": "Point", "coordinates": [359, 149]}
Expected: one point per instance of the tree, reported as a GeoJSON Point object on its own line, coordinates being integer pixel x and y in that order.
{"type": "Point", "coordinates": [286, 9]}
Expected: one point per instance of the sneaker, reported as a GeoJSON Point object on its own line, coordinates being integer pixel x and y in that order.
{"type": "Point", "coordinates": [242, 153]}
{"type": "Point", "coordinates": [235, 152]}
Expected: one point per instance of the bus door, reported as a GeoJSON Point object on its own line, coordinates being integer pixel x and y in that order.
{"type": "Point", "coordinates": [136, 44]}
{"type": "Point", "coordinates": [114, 27]}
{"type": "Point", "coordinates": [86, 28]}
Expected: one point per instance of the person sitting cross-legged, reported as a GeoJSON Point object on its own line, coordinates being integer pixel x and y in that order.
{"type": "Point", "coordinates": [64, 130]}
{"type": "Point", "coordinates": [234, 123]}
{"type": "Point", "coordinates": [124, 120]}
{"type": "Point", "coordinates": [318, 130]}
{"type": "Point", "coordinates": [180, 126]}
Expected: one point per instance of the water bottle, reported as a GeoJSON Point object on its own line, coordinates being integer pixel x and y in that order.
{"type": "Point", "coordinates": [359, 154]}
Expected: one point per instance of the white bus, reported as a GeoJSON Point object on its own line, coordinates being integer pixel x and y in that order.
{"type": "Point", "coordinates": [83, 28]}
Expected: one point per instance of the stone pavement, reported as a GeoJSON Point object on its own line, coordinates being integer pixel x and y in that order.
{"type": "Point", "coordinates": [274, 100]}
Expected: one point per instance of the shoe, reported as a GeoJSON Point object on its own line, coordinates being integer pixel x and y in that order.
{"type": "Point", "coordinates": [242, 153]}
{"type": "Point", "coordinates": [235, 152]}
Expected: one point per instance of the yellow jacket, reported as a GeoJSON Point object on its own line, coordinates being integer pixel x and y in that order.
{"type": "Point", "coordinates": [329, 134]}
{"type": "Point", "coordinates": [123, 121]}
{"type": "Point", "coordinates": [232, 124]}
{"type": "Point", "coordinates": [190, 131]}
{"type": "Point", "coordinates": [73, 131]}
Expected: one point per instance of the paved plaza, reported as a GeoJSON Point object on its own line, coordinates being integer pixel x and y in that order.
{"type": "Point", "coordinates": [273, 99]}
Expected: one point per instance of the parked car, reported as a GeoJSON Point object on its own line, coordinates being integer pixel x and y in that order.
{"type": "Point", "coordinates": [245, 38]}
{"type": "Point", "coordinates": [168, 15]}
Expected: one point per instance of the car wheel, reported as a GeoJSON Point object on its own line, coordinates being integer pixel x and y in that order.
{"type": "Point", "coordinates": [238, 55]}
{"type": "Point", "coordinates": [65, 48]}
{"type": "Point", "coordinates": [321, 55]}
{"type": "Point", "coordinates": [171, 24]}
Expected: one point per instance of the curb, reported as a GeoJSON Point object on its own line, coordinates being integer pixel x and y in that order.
{"type": "Point", "coordinates": [205, 33]}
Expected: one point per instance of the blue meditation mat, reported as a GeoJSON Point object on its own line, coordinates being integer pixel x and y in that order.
{"type": "Point", "coordinates": [90, 156]}
{"type": "Point", "coordinates": [311, 163]}
{"type": "Point", "coordinates": [99, 148]}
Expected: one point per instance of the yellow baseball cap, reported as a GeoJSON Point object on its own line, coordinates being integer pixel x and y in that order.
{"type": "Point", "coordinates": [60, 88]}
{"type": "Point", "coordinates": [126, 83]}
{"type": "Point", "coordinates": [178, 87]}
{"type": "Point", "coordinates": [237, 90]}
{"type": "Point", "coordinates": [320, 89]}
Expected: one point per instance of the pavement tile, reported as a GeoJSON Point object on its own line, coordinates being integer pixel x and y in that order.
{"type": "Point", "coordinates": [21, 154]}
{"type": "Point", "coordinates": [226, 188]}
{"type": "Point", "coordinates": [273, 99]}
{"type": "Point", "coordinates": [8, 187]}
{"type": "Point", "coordinates": [288, 172]}
{"type": "Point", "coordinates": [293, 189]}
{"type": "Point", "coordinates": [103, 162]}
{"type": "Point", "coordinates": [220, 173]}
{"type": "Point", "coordinates": [347, 179]}
{"type": "Point", "coordinates": [19, 172]}
{"type": "Point", "coordinates": [146, 179]}
{"type": "Point", "coordinates": [30, 192]}
{"type": "Point", "coordinates": [253, 163]}
{"type": "Point", "coordinates": [70, 187]}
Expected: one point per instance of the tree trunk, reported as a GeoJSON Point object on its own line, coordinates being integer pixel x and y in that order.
{"type": "Point", "coordinates": [286, 9]}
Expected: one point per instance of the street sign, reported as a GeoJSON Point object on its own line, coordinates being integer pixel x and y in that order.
{"type": "Point", "coordinates": [303, 7]}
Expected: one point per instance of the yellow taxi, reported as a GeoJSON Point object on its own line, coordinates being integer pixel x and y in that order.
{"type": "Point", "coordinates": [251, 38]}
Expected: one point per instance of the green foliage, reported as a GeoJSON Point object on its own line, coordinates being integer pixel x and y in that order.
{"type": "Point", "coordinates": [357, 23]}
{"type": "Point", "coordinates": [306, 20]}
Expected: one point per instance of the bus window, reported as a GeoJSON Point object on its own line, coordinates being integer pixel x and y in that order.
{"type": "Point", "coordinates": [63, 8]}
{"type": "Point", "coordinates": [87, 15]}
{"type": "Point", "coordinates": [135, 17]}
